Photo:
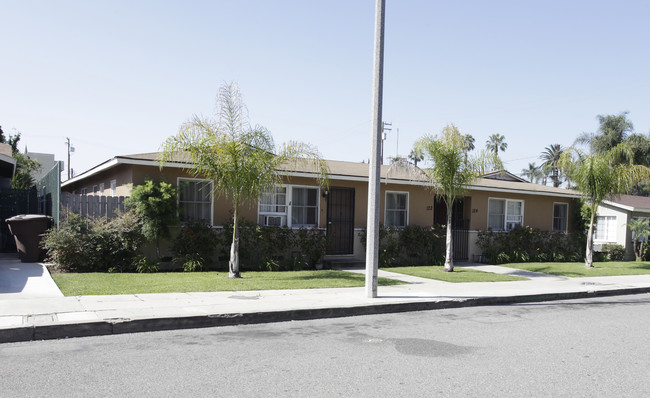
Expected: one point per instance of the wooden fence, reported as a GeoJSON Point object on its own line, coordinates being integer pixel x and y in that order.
{"type": "Point", "coordinates": [91, 206]}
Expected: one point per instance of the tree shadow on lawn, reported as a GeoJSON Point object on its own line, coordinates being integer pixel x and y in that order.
{"type": "Point", "coordinates": [617, 268]}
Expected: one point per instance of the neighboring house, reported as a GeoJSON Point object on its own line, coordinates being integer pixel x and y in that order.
{"type": "Point", "coordinates": [613, 217]}
{"type": "Point", "coordinates": [501, 201]}
{"type": "Point", "coordinates": [7, 166]}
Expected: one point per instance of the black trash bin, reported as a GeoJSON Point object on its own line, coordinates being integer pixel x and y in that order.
{"type": "Point", "coordinates": [27, 230]}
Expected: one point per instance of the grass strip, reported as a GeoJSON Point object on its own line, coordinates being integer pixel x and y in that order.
{"type": "Point", "coordinates": [82, 284]}
{"type": "Point", "coordinates": [578, 270]}
{"type": "Point", "coordinates": [459, 275]}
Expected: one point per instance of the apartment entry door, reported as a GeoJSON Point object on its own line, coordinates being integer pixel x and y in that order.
{"type": "Point", "coordinates": [340, 221]}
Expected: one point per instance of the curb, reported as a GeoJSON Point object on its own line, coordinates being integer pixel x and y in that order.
{"type": "Point", "coordinates": [121, 326]}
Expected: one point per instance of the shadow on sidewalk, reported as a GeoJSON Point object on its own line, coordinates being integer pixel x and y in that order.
{"type": "Point", "coordinates": [14, 274]}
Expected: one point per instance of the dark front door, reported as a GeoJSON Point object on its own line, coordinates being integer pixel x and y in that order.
{"type": "Point", "coordinates": [340, 221]}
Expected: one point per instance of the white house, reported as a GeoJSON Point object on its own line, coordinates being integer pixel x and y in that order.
{"type": "Point", "coordinates": [613, 217]}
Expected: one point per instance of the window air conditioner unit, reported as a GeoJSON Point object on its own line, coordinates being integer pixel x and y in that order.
{"type": "Point", "coordinates": [274, 221]}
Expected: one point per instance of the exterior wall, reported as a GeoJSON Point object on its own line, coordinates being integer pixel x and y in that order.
{"type": "Point", "coordinates": [123, 174]}
{"type": "Point", "coordinates": [621, 226]}
{"type": "Point", "coordinates": [538, 210]}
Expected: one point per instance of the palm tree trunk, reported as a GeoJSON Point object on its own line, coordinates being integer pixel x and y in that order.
{"type": "Point", "coordinates": [233, 264]}
{"type": "Point", "coordinates": [449, 256]}
{"type": "Point", "coordinates": [589, 255]}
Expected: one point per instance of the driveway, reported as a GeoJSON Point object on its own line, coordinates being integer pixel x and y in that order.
{"type": "Point", "coordinates": [25, 280]}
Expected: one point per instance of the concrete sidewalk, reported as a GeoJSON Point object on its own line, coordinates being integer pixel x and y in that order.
{"type": "Point", "coordinates": [32, 308]}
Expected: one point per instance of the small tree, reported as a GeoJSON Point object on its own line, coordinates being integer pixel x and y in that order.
{"type": "Point", "coordinates": [641, 229]}
{"type": "Point", "coordinates": [601, 176]}
{"type": "Point", "coordinates": [155, 205]}
{"type": "Point", "coordinates": [451, 172]}
{"type": "Point", "coordinates": [242, 161]}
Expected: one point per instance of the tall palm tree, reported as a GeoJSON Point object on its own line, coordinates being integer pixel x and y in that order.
{"type": "Point", "coordinates": [496, 143]}
{"type": "Point", "coordinates": [551, 158]}
{"type": "Point", "coordinates": [416, 156]}
{"type": "Point", "coordinates": [601, 176]}
{"type": "Point", "coordinates": [533, 173]}
{"type": "Point", "coordinates": [612, 130]}
{"type": "Point", "coordinates": [242, 161]}
{"type": "Point", "coordinates": [451, 172]}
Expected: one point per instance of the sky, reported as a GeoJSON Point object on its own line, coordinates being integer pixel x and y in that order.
{"type": "Point", "coordinates": [119, 77]}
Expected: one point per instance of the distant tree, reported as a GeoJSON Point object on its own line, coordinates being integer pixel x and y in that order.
{"type": "Point", "coordinates": [3, 139]}
{"type": "Point", "coordinates": [241, 161]}
{"type": "Point", "coordinates": [496, 143]}
{"type": "Point", "coordinates": [551, 158]}
{"type": "Point", "coordinates": [533, 173]}
{"type": "Point", "coordinates": [469, 142]}
{"type": "Point", "coordinates": [641, 229]}
{"type": "Point", "coordinates": [451, 172]}
{"type": "Point", "coordinates": [601, 176]}
{"type": "Point", "coordinates": [25, 166]}
{"type": "Point", "coordinates": [416, 156]}
{"type": "Point", "coordinates": [155, 205]}
{"type": "Point", "coordinates": [612, 130]}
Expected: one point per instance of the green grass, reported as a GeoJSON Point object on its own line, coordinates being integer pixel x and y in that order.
{"type": "Point", "coordinates": [578, 270]}
{"type": "Point", "coordinates": [459, 275]}
{"type": "Point", "coordinates": [72, 284]}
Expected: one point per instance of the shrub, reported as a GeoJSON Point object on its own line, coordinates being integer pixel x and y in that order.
{"type": "Point", "coordinates": [144, 265]}
{"type": "Point", "coordinates": [155, 205]}
{"type": "Point", "coordinates": [613, 252]}
{"type": "Point", "coordinates": [82, 245]}
{"type": "Point", "coordinates": [194, 246]}
{"type": "Point", "coordinates": [524, 244]}
{"type": "Point", "coordinates": [410, 246]}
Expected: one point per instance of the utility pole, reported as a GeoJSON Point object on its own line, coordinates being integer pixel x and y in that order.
{"type": "Point", "coordinates": [372, 245]}
{"type": "Point", "coordinates": [70, 149]}
{"type": "Point", "coordinates": [384, 135]}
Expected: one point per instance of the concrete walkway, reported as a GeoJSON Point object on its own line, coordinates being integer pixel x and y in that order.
{"type": "Point", "coordinates": [32, 307]}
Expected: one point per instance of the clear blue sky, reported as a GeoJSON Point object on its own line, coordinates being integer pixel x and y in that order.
{"type": "Point", "coordinates": [118, 77]}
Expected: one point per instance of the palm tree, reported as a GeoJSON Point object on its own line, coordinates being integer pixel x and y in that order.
{"type": "Point", "coordinates": [416, 156]}
{"type": "Point", "coordinates": [612, 130]}
{"type": "Point", "coordinates": [451, 172]}
{"type": "Point", "coordinates": [599, 177]}
{"type": "Point", "coordinates": [533, 173]}
{"type": "Point", "coordinates": [242, 161]}
{"type": "Point", "coordinates": [641, 229]}
{"type": "Point", "coordinates": [551, 158]}
{"type": "Point", "coordinates": [496, 143]}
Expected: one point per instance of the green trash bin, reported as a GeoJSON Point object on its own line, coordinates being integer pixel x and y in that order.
{"type": "Point", "coordinates": [27, 230]}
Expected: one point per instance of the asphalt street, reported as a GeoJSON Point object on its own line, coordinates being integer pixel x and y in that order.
{"type": "Point", "coordinates": [578, 348]}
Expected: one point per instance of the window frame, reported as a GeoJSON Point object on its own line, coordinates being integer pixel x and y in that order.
{"type": "Point", "coordinates": [287, 215]}
{"type": "Point", "coordinates": [608, 229]}
{"type": "Point", "coordinates": [179, 181]}
{"type": "Point", "coordinates": [407, 210]}
{"type": "Point", "coordinates": [113, 184]}
{"type": "Point", "coordinates": [566, 220]}
{"type": "Point", "coordinates": [506, 201]}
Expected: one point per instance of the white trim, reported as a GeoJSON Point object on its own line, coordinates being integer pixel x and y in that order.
{"type": "Point", "coordinates": [505, 211]}
{"type": "Point", "coordinates": [289, 205]}
{"type": "Point", "coordinates": [178, 197]}
{"type": "Point", "coordinates": [408, 207]}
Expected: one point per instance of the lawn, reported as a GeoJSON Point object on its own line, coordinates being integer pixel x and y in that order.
{"type": "Point", "coordinates": [73, 284]}
{"type": "Point", "coordinates": [459, 275]}
{"type": "Point", "coordinates": [578, 270]}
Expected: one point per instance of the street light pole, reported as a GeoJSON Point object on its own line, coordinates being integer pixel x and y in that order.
{"type": "Point", "coordinates": [372, 244]}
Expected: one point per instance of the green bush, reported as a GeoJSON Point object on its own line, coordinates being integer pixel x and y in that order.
{"type": "Point", "coordinates": [613, 252]}
{"type": "Point", "coordinates": [83, 245]}
{"type": "Point", "coordinates": [144, 265]}
{"type": "Point", "coordinates": [272, 248]}
{"type": "Point", "coordinates": [524, 244]}
{"type": "Point", "coordinates": [410, 246]}
{"type": "Point", "coordinates": [195, 246]}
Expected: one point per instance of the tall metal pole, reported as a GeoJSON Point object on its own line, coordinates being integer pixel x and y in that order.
{"type": "Point", "coordinates": [68, 142]}
{"type": "Point", "coordinates": [372, 244]}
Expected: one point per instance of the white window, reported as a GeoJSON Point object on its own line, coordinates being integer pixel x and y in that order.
{"type": "Point", "coordinates": [95, 189]}
{"type": "Point", "coordinates": [505, 214]}
{"type": "Point", "coordinates": [194, 200]}
{"type": "Point", "coordinates": [113, 187]}
{"type": "Point", "coordinates": [605, 229]}
{"type": "Point", "coordinates": [560, 217]}
{"type": "Point", "coordinates": [292, 206]}
{"type": "Point", "coordinates": [101, 189]}
{"type": "Point", "coordinates": [84, 191]}
{"type": "Point", "coordinates": [397, 209]}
